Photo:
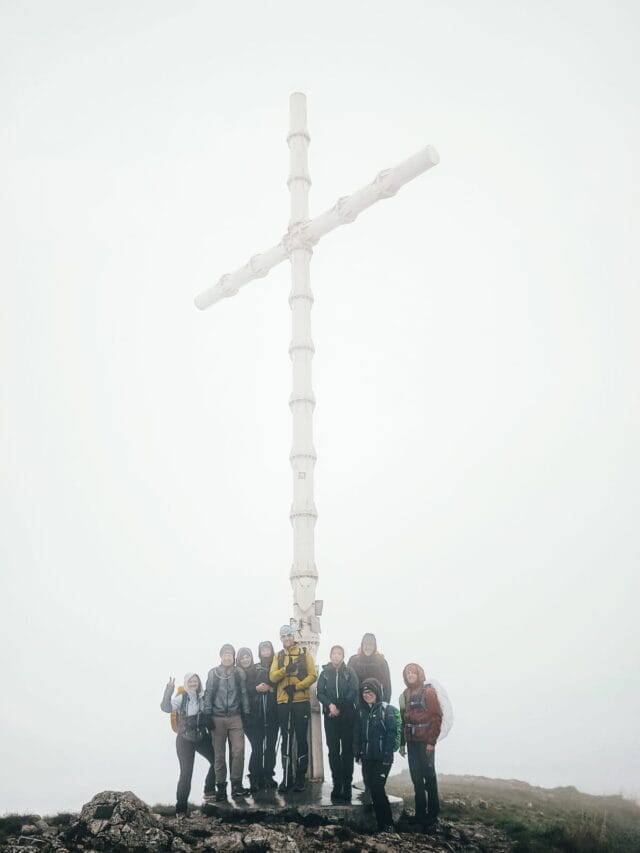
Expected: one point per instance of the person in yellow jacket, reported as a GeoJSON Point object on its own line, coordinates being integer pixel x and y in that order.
{"type": "Point", "coordinates": [293, 672]}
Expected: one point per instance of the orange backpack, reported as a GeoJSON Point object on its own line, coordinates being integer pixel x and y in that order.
{"type": "Point", "coordinates": [174, 714]}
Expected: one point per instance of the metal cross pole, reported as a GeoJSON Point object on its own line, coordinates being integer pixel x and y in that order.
{"type": "Point", "coordinates": [297, 245]}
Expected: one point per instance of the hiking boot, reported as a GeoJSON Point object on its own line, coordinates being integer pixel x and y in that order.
{"type": "Point", "coordinates": [283, 787]}
{"type": "Point", "coordinates": [209, 795]}
{"type": "Point", "coordinates": [221, 792]}
{"type": "Point", "coordinates": [336, 791]}
{"type": "Point", "coordinates": [345, 796]}
{"type": "Point", "coordinates": [301, 783]}
{"type": "Point", "coordinates": [255, 785]}
{"type": "Point", "coordinates": [429, 826]}
{"type": "Point", "coordinates": [270, 784]}
{"type": "Point", "coordinates": [238, 790]}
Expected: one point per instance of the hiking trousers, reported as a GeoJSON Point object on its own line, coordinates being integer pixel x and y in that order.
{"type": "Point", "coordinates": [294, 722]}
{"type": "Point", "coordinates": [339, 734]}
{"type": "Point", "coordinates": [374, 776]}
{"type": "Point", "coordinates": [186, 750]}
{"type": "Point", "coordinates": [262, 762]}
{"type": "Point", "coordinates": [422, 768]}
{"type": "Point", "coordinates": [229, 729]}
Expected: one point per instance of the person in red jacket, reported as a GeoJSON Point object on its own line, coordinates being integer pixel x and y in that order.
{"type": "Point", "coordinates": [421, 721]}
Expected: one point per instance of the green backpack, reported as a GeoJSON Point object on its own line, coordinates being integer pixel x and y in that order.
{"type": "Point", "coordinates": [396, 714]}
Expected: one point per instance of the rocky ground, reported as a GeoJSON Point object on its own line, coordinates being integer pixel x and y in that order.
{"type": "Point", "coordinates": [120, 821]}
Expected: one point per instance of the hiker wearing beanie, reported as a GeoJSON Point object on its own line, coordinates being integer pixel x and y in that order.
{"type": "Point", "coordinates": [370, 663]}
{"type": "Point", "coordinates": [338, 694]}
{"type": "Point", "coordinates": [293, 672]}
{"type": "Point", "coordinates": [191, 735]}
{"type": "Point", "coordinates": [421, 721]}
{"type": "Point", "coordinates": [225, 703]}
{"type": "Point", "coordinates": [374, 740]}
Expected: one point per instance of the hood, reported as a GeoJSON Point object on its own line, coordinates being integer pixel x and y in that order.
{"type": "Point", "coordinates": [187, 676]}
{"type": "Point", "coordinates": [272, 652]}
{"type": "Point", "coordinates": [375, 644]}
{"type": "Point", "coordinates": [421, 676]}
{"type": "Point", "coordinates": [374, 685]}
{"type": "Point", "coordinates": [245, 650]}
{"type": "Point", "coordinates": [329, 666]}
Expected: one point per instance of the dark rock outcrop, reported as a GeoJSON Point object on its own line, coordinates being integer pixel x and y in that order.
{"type": "Point", "coordinates": [119, 821]}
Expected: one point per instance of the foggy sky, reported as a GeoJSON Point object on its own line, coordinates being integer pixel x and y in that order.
{"type": "Point", "coordinates": [476, 372]}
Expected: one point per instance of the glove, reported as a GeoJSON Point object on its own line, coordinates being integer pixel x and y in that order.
{"type": "Point", "coordinates": [292, 667]}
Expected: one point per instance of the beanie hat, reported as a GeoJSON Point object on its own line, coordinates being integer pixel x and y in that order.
{"type": "Point", "coordinates": [374, 685]}
{"type": "Point", "coordinates": [286, 631]}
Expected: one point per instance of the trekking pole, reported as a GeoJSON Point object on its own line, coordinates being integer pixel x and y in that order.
{"type": "Point", "coordinates": [264, 738]}
{"type": "Point", "coordinates": [288, 768]}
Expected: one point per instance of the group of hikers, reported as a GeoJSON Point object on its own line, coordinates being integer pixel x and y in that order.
{"type": "Point", "coordinates": [270, 697]}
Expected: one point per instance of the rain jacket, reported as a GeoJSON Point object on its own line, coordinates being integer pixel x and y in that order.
{"type": "Point", "coordinates": [279, 676]}
{"type": "Point", "coordinates": [420, 710]}
{"type": "Point", "coordinates": [338, 686]}
{"type": "Point", "coordinates": [372, 666]}
{"type": "Point", "coordinates": [226, 692]}
{"type": "Point", "coordinates": [374, 732]}
{"type": "Point", "coordinates": [187, 705]}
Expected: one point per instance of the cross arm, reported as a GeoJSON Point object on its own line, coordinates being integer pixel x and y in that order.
{"type": "Point", "coordinates": [307, 234]}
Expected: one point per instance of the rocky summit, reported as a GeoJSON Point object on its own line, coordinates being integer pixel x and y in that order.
{"type": "Point", "coordinates": [120, 821]}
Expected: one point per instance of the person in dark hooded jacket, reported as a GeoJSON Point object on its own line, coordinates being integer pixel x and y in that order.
{"type": "Point", "coordinates": [374, 739]}
{"type": "Point", "coordinates": [421, 716]}
{"type": "Point", "coordinates": [262, 725]}
{"type": "Point", "coordinates": [338, 693]}
{"type": "Point", "coordinates": [370, 663]}
{"type": "Point", "coordinates": [191, 737]}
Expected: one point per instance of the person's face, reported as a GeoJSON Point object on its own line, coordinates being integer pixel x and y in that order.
{"type": "Point", "coordinates": [337, 657]}
{"type": "Point", "coordinates": [193, 683]}
{"type": "Point", "coordinates": [368, 647]}
{"type": "Point", "coordinates": [264, 652]}
{"type": "Point", "coordinates": [411, 676]}
{"type": "Point", "coordinates": [245, 660]}
{"type": "Point", "coordinates": [369, 697]}
{"type": "Point", "coordinates": [287, 641]}
{"type": "Point", "coordinates": [226, 659]}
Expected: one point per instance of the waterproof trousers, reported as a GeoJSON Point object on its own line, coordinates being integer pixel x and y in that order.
{"type": "Point", "coordinates": [263, 741]}
{"type": "Point", "coordinates": [186, 750]}
{"type": "Point", "coordinates": [339, 734]}
{"type": "Point", "coordinates": [229, 729]}
{"type": "Point", "coordinates": [374, 776]}
{"type": "Point", "coordinates": [293, 718]}
{"type": "Point", "coordinates": [422, 768]}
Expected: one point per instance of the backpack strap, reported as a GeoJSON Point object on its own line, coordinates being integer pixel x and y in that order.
{"type": "Point", "coordinates": [183, 704]}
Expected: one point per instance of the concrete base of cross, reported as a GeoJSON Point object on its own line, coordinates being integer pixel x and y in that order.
{"type": "Point", "coordinates": [315, 802]}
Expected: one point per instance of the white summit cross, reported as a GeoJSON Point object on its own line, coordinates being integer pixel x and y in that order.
{"type": "Point", "coordinates": [297, 245]}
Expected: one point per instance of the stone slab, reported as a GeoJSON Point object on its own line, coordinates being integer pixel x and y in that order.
{"type": "Point", "coordinates": [312, 805]}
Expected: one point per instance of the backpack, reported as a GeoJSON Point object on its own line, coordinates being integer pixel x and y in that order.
{"type": "Point", "coordinates": [302, 662]}
{"type": "Point", "coordinates": [174, 714]}
{"type": "Point", "coordinates": [445, 705]}
{"type": "Point", "coordinates": [396, 713]}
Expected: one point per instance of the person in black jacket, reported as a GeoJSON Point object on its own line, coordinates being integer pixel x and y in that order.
{"type": "Point", "coordinates": [374, 738]}
{"type": "Point", "coordinates": [261, 726]}
{"type": "Point", "coordinates": [338, 693]}
{"type": "Point", "coordinates": [370, 663]}
{"type": "Point", "coordinates": [192, 735]}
